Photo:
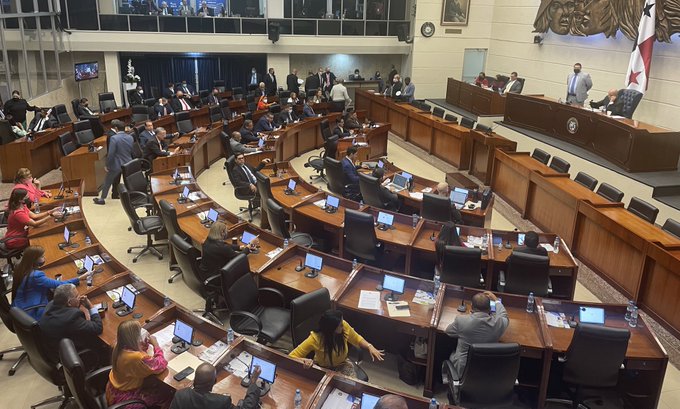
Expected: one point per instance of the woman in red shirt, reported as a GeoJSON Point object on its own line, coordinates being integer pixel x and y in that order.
{"type": "Point", "coordinates": [19, 217]}
{"type": "Point", "coordinates": [262, 104]}
{"type": "Point", "coordinates": [24, 180]}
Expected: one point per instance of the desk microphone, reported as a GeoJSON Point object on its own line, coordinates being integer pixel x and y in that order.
{"type": "Point", "coordinates": [433, 237]}
{"type": "Point", "coordinates": [462, 307]}
{"type": "Point", "coordinates": [245, 382]}
{"type": "Point", "coordinates": [300, 267]}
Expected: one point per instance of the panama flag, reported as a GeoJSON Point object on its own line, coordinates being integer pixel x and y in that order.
{"type": "Point", "coordinates": [641, 58]}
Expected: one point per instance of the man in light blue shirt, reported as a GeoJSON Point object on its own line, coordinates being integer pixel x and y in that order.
{"type": "Point", "coordinates": [409, 90]}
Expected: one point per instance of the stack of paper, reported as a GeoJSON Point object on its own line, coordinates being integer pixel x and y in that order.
{"type": "Point", "coordinates": [320, 203]}
{"type": "Point", "coordinates": [198, 195]}
{"type": "Point", "coordinates": [558, 320]}
{"type": "Point", "coordinates": [239, 365]}
{"type": "Point", "coordinates": [184, 360]}
{"type": "Point", "coordinates": [549, 248]}
{"type": "Point", "coordinates": [423, 298]}
{"type": "Point", "coordinates": [164, 336]}
{"type": "Point", "coordinates": [426, 190]}
{"type": "Point", "coordinates": [394, 312]}
{"type": "Point", "coordinates": [274, 252]}
{"type": "Point", "coordinates": [369, 300]}
{"type": "Point", "coordinates": [212, 354]}
{"type": "Point", "coordinates": [416, 195]}
{"type": "Point", "coordinates": [338, 399]}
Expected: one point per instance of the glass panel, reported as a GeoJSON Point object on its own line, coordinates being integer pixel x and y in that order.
{"type": "Point", "coordinates": [287, 8]}
{"type": "Point", "coordinates": [397, 9]}
{"type": "Point", "coordinates": [329, 27]}
{"type": "Point", "coordinates": [82, 14]}
{"type": "Point", "coordinates": [304, 27]}
{"type": "Point", "coordinates": [143, 23]}
{"type": "Point", "coordinates": [309, 8]}
{"type": "Point", "coordinates": [114, 22]}
{"type": "Point", "coordinates": [254, 26]}
{"type": "Point", "coordinates": [247, 8]}
{"type": "Point", "coordinates": [172, 24]}
{"type": "Point", "coordinates": [286, 26]}
{"type": "Point", "coordinates": [29, 23]}
{"type": "Point", "coordinates": [12, 23]}
{"type": "Point", "coordinates": [354, 9]}
{"type": "Point", "coordinates": [352, 28]}
{"type": "Point", "coordinates": [228, 25]}
{"type": "Point", "coordinates": [376, 10]}
{"type": "Point", "coordinates": [394, 27]}
{"type": "Point", "coordinates": [200, 25]}
{"type": "Point", "coordinates": [376, 28]}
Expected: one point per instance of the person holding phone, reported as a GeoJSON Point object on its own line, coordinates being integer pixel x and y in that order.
{"type": "Point", "coordinates": [132, 365]}
{"type": "Point", "coordinates": [200, 396]}
{"type": "Point", "coordinates": [217, 251]}
{"type": "Point", "coordinates": [329, 343]}
{"type": "Point", "coordinates": [24, 180]}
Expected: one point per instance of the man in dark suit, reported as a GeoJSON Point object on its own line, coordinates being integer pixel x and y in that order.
{"type": "Point", "coordinates": [137, 96]}
{"type": "Point", "coordinates": [214, 98]}
{"type": "Point", "coordinates": [147, 135]}
{"type": "Point", "coordinates": [270, 82]}
{"type": "Point", "coordinates": [312, 84]}
{"type": "Point", "coordinates": [349, 169]}
{"type": "Point", "coordinates": [41, 121]}
{"type": "Point", "coordinates": [162, 108]}
{"type": "Point", "coordinates": [205, 11]}
{"type": "Point", "coordinates": [351, 120]}
{"type": "Point", "coordinates": [307, 110]}
{"type": "Point", "coordinates": [165, 10]}
{"type": "Point", "coordinates": [187, 89]}
{"type": "Point", "coordinates": [70, 315]}
{"type": "Point", "coordinates": [253, 78]}
{"type": "Point", "coordinates": [247, 133]}
{"type": "Point", "coordinates": [180, 103]}
{"type": "Point", "coordinates": [184, 9]}
{"type": "Point", "coordinates": [287, 116]}
{"type": "Point", "coordinates": [119, 153]}
{"type": "Point", "coordinates": [200, 396]}
{"type": "Point", "coordinates": [531, 245]}
{"type": "Point", "coordinates": [155, 147]}
{"type": "Point", "coordinates": [169, 91]}
{"type": "Point", "coordinates": [387, 195]}
{"type": "Point", "coordinates": [266, 123]}
{"type": "Point", "coordinates": [84, 110]}
{"type": "Point", "coordinates": [610, 102]}
{"type": "Point", "coordinates": [328, 80]}
{"type": "Point", "coordinates": [151, 7]}
{"type": "Point", "coordinates": [292, 82]}
{"type": "Point", "coordinates": [340, 129]}
{"type": "Point", "coordinates": [244, 174]}
{"type": "Point", "coordinates": [396, 86]}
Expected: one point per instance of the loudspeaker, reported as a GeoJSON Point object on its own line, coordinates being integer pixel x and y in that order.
{"type": "Point", "coordinates": [402, 35]}
{"type": "Point", "coordinates": [274, 31]}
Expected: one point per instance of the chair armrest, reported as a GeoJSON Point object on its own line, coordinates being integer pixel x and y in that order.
{"type": "Point", "coordinates": [97, 379]}
{"type": "Point", "coordinates": [34, 307]}
{"type": "Point", "coordinates": [550, 287]}
{"type": "Point", "coordinates": [122, 405]}
{"type": "Point", "coordinates": [248, 315]}
{"type": "Point", "coordinates": [273, 291]}
{"type": "Point", "coordinates": [481, 279]}
{"type": "Point", "coordinates": [243, 191]}
{"type": "Point", "coordinates": [211, 280]}
{"type": "Point", "coordinates": [501, 281]}
{"type": "Point", "coordinates": [139, 194]}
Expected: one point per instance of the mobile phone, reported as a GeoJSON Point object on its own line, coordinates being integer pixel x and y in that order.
{"type": "Point", "coordinates": [102, 306]}
{"type": "Point", "coordinates": [183, 373]}
{"type": "Point", "coordinates": [402, 307]}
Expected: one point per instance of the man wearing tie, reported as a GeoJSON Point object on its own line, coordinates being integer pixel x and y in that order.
{"type": "Point", "coordinates": [84, 110]}
{"type": "Point", "coordinates": [247, 134]}
{"type": "Point", "coordinates": [148, 134]}
{"type": "Point", "coordinates": [307, 110]}
{"type": "Point", "coordinates": [169, 91]}
{"type": "Point", "coordinates": [205, 11]}
{"type": "Point", "coordinates": [165, 10]}
{"type": "Point", "coordinates": [41, 121]}
{"type": "Point", "coordinates": [270, 82]}
{"type": "Point", "coordinates": [244, 174]}
{"type": "Point", "coordinates": [514, 86]}
{"type": "Point", "coordinates": [287, 116]}
{"type": "Point", "coordinates": [185, 10]}
{"type": "Point", "coordinates": [162, 108]}
{"type": "Point", "coordinates": [188, 90]}
{"type": "Point", "coordinates": [578, 85]}
{"type": "Point", "coordinates": [119, 153]}
{"type": "Point", "coordinates": [180, 103]}
{"type": "Point", "coordinates": [155, 147]}
{"type": "Point", "coordinates": [328, 80]}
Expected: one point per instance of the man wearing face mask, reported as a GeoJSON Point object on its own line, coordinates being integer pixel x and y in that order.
{"type": "Point", "coordinates": [287, 116]}
{"type": "Point", "coordinates": [84, 110]}
{"type": "Point", "coordinates": [137, 96]}
{"type": "Point", "coordinates": [17, 107]}
{"type": "Point", "coordinates": [253, 78]}
{"type": "Point", "coordinates": [214, 98]}
{"type": "Point", "coordinates": [578, 85]}
{"type": "Point", "coordinates": [187, 89]}
{"type": "Point", "coordinates": [270, 82]}
{"type": "Point", "coordinates": [180, 103]}
{"type": "Point", "coordinates": [70, 315]}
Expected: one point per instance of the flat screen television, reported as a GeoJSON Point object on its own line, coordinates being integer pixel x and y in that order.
{"type": "Point", "coordinates": [86, 70]}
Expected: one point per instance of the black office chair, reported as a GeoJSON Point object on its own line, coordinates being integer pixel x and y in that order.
{"type": "Point", "coordinates": [5, 307]}
{"type": "Point", "coordinates": [324, 125]}
{"type": "Point", "coordinates": [426, 107]}
{"type": "Point", "coordinates": [264, 190]}
{"type": "Point", "coordinates": [527, 273]}
{"type": "Point", "coordinates": [249, 317]}
{"type": "Point", "coordinates": [203, 95]}
{"type": "Point", "coordinates": [316, 162]}
{"type": "Point", "coordinates": [436, 208]}
{"type": "Point", "coordinates": [336, 180]}
{"type": "Point", "coordinates": [237, 93]}
{"type": "Point", "coordinates": [140, 113]}
{"type": "Point", "coordinates": [242, 193]}
{"type": "Point", "coordinates": [474, 390]}
{"type": "Point", "coordinates": [326, 134]}
{"type": "Point", "coordinates": [233, 270]}
{"type": "Point", "coordinates": [451, 118]}
{"type": "Point", "coordinates": [144, 226]}
{"type": "Point", "coordinates": [305, 312]}
{"type": "Point", "coordinates": [75, 103]}
{"type": "Point", "coordinates": [467, 122]}
{"type": "Point", "coordinates": [369, 187]}
{"type": "Point", "coordinates": [225, 110]}
{"type": "Point", "coordinates": [169, 216]}
{"type": "Point", "coordinates": [630, 98]}
{"type": "Point", "coordinates": [586, 180]}
{"type": "Point", "coordinates": [462, 266]}
{"type": "Point", "coordinates": [219, 84]}
{"type": "Point", "coordinates": [252, 106]}
{"type": "Point", "coordinates": [6, 133]}
{"type": "Point", "coordinates": [642, 209]}
{"type": "Point", "coordinates": [360, 239]}
{"type": "Point", "coordinates": [609, 192]}
{"type": "Point", "coordinates": [107, 102]}
{"type": "Point", "coordinates": [215, 114]}
{"type": "Point", "coordinates": [137, 183]}
{"type": "Point", "coordinates": [66, 144]}
{"type": "Point", "coordinates": [277, 221]}
{"type": "Point", "coordinates": [59, 112]}
{"type": "Point", "coordinates": [184, 122]}
{"type": "Point", "coordinates": [88, 389]}
{"type": "Point", "coordinates": [189, 259]}
{"type": "Point", "coordinates": [672, 227]}
{"type": "Point", "coordinates": [541, 156]}
{"type": "Point", "coordinates": [40, 358]}
{"type": "Point", "coordinates": [560, 165]}
{"type": "Point", "coordinates": [593, 360]}
{"type": "Point", "coordinates": [438, 112]}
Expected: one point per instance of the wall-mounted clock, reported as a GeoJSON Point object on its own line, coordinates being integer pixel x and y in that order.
{"type": "Point", "coordinates": [427, 29]}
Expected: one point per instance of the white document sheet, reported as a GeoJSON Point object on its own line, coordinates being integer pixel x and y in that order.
{"type": "Point", "coordinates": [369, 300]}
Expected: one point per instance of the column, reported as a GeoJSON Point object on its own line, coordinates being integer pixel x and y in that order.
{"type": "Point", "coordinates": [114, 78]}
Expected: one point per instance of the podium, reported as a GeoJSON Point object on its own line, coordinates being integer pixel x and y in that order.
{"type": "Point", "coordinates": [87, 166]}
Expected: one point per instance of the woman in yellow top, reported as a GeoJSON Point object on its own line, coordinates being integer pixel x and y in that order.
{"type": "Point", "coordinates": [329, 345]}
{"type": "Point", "coordinates": [132, 366]}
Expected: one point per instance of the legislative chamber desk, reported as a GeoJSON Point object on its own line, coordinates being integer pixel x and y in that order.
{"type": "Point", "coordinates": [478, 100]}
{"type": "Point", "coordinates": [483, 147]}
{"type": "Point", "coordinates": [632, 145]}
{"type": "Point", "coordinates": [41, 153]}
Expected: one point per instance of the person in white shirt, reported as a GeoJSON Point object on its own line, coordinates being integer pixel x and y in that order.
{"type": "Point", "coordinates": [339, 95]}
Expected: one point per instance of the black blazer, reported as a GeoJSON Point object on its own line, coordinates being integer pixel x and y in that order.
{"type": "Point", "coordinates": [60, 322]}
{"type": "Point", "coordinates": [216, 254]}
{"type": "Point", "coordinates": [177, 106]}
{"type": "Point", "coordinates": [152, 150]}
{"type": "Point", "coordinates": [270, 84]}
{"type": "Point", "coordinates": [240, 178]}
{"type": "Point", "coordinates": [189, 398]}
{"type": "Point", "coordinates": [342, 133]}
{"type": "Point", "coordinates": [616, 108]}
{"type": "Point", "coordinates": [158, 109]}
{"type": "Point", "coordinates": [292, 83]}
{"type": "Point", "coordinates": [538, 251]}
{"type": "Point", "coordinates": [312, 84]}
{"type": "Point", "coordinates": [283, 117]}
{"type": "Point", "coordinates": [168, 93]}
{"type": "Point", "coordinates": [136, 98]}
{"type": "Point", "coordinates": [82, 113]}
{"type": "Point", "coordinates": [49, 123]}
{"type": "Point", "coordinates": [248, 136]}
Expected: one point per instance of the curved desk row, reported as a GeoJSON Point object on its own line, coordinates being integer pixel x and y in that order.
{"type": "Point", "coordinates": [478, 100]}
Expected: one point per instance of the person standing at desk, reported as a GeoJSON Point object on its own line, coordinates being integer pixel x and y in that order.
{"type": "Point", "coordinates": [578, 85]}
{"type": "Point", "coordinates": [409, 90]}
{"type": "Point", "coordinates": [120, 153]}
{"type": "Point", "coordinates": [292, 81]}
{"type": "Point", "coordinates": [31, 286]}
{"type": "Point", "coordinates": [217, 252]}
{"type": "Point", "coordinates": [270, 83]}
{"type": "Point", "coordinates": [200, 395]}
{"type": "Point", "coordinates": [481, 326]}
{"type": "Point", "coordinates": [329, 343]}
{"type": "Point", "coordinates": [17, 107]}
{"type": "Point", "coordinates": [131, 366]}
{"type": "Point", "coordinates": [531, 245]}
{"type": "Point", "coordinates": [25, 180]}
{"type": "Point", "coordinates": [19, 218]}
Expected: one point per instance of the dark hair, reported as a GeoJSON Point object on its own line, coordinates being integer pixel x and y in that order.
{"type": "Point", "coordinates": [83, 100]}
{"type": "Point", "coordinates": [118, 124]}
{"type": "Point", "coordinates": [16, 198]}
{"type": "Point", "coordinates": [378, 172]}
{"type": "Point", "coordinates": [448, 236]}
{"type": "Point", "coordinates": [531, 239]}
{"type": "Point", "coordinates": [26, 266]}
{"type": "Point", "coordinates": [340, 118]}
{"type": "Point", "coordinates": [579, 64]}
{"type": "Point", "coordinates": [332, 342]}
{"type": "Point", "coordinates": [352, 150]}
{"type": "Point", "coordinates": [514, 73]}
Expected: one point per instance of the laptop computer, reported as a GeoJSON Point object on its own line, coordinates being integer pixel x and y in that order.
{"type": "Point", "coordinates": [399, 182]}
{"type": "Point", "coordinates": [458, 197]}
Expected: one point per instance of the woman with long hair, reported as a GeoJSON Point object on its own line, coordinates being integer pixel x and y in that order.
{"type": "Point", "coordinates": [262, 104]}
{"type": "Point", "coordinates": [20, 217]}
{"type": "Point", "coordinates": [25, 180]}
{"type": "Point", "coordinates": [448, 236]}
{"type": "Point", "coordinates": [30, 285]}
{"type": "Point", "coordinates": [131, 366]}
{"type": "Point", "coordinates": [329, 345]}
{"type": "Point", "coordinates": [217, 252]}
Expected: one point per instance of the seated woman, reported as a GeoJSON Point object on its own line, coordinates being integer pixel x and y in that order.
{"type": "Point", "coordinates": [329, 345]}
{"type": "Point", "coordinates": [19, 217]}
{"type": "Point", "coordinates": [387, 195]}
{"type": "Point", "coordinates": [30, 285]}
{"type": "Point", "coordinates": [25, 180]}
{"type": "Point", "coordinates": [262, 104]}
{"type": "Point", "coordinates": [318, 96]}
{"type": "Point", "coordinates": [217, 252]}
{"type": "Point", "coordinates": [448, 236]}
{"type": "Point", "coordinates": [131, 366]}
{"type": "Point", "coordinates": [293, 99]}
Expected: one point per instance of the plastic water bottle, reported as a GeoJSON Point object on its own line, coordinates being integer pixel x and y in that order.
{"type": "Point", "coordinates": [298, 399]}
{"type": "Point", "coordinates": [88, 240]}
{"type": "Point", "coordinates": [437, 282]}
{"type": "Point", "coordinates": [75, 193]}
{"type": "Point", "coordinates": [556, 245]}
{"type": "Point", "coordinates": [166, 301]}
{"type": "Point", "coordinates": [230, 336]}
{"type": "Point", "coordinates": [530, 303]}
{"type": "Point", "coordinates": [36, 206]}
{"type": "Point", "coordinates": [433, 404]}
{"type": "Point", "coordinates": [354, 264]}
{"type": "Point", "coordinates": [633, 317]}
{"type": "Point", "coordinates": [629, 310]}
{"type": "Point", "coordinates": [415, 220]}
{"type": "Point", "coordinates": [285, 243]}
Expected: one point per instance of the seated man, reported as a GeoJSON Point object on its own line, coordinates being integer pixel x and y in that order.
{"type": "Point", "coordinates": [443, 190]}
{"type": "Point", "coordinates": [266, 123]}
{"type": "Point", "coordinates": [514, 86]}
{"type": "Point", "coordinates": [351, 120]}
{"type": "Point", "coordinates": [165, 10]}
{"type": "Point", "coordinates": [387, 195]}
{"type": "Point", "coordinates": [70, 315]}
{"type": "Point", "coordinates": [340, 129]}
{"type": "Point", "coordinates": [200, 395]}
{"type": "Point", "coordinates": [391, 402]}
{"type": "Point", "coordinates": [244, 174]}
{"type": "Point", "coordinates": [84, 110]}
{"type": "Point", "coordinates": [349, 169]}
{"type": "Point", "coordinates": [238, 147]}
{"type": "Point", "coordinates": [478, 327]}
{"type": "Point", "coordinates": [214, 98]}
{"type": "Point", "coordinates": [148, 134]}
{"type": "Point", "coordinates": [137, 96]}
{"type": "Point", "coordinates": [162, 108]}
{"type": "Point", "coordinates": [307, 110]}
{"type": "Point", "coordinates": [531, 245]}
{"type": "Point", "coordinates": [247, 133]}
{"type": "Point", "coordinates": [41, 121]}
{"type": "Point", "coordinates": [156, 147]}
{"type": "Point", "coordinates": [287, 116]}
{"type": "Point", "coordinates": [180, 103]}
{"type": "Point", "coordinates": [610, 103]}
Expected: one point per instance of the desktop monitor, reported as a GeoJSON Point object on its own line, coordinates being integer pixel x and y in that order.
{"type": "Point", "coordinates": [247, 237]}
{"type": "Point", "coordinates": [520, 239]}
{"type": "Point", "coordinates": [458, 197]}
{"type": "Point", "coordinates": [86, 70]}
{"type": "Point", "coordinates": [400, 180]}
{"type": "Point", "coordinates": [313, 261]}
{"type": "Point", "coordinates": [268, 373]}
{"type": "Point", "coordinates": [385, 219]}
{"type": "Point", "coordinates": [88, 264]}
{"type": "Point", "coordinates": [128, 298]}
{"type": "Point", "coordinates": [183, 331]}
{"type": "Point", "coordinates": [393, 284]}
{"type": "Point", "coordinates": [369, 401]}
{"type": "Point", "coordinates": [332, 201]}
{"type": "Point", "coordinates": [260, 143]}
{"type": "Point", "coordinates": [381, 164]}
{"type": "Point", "coordinates": [212, 215]}
{"type": "Point", "coordinates": [185, 192]}
{"type": "Point", "coordinates": [406, 175]}
{"type": "Point", "coordinates": [591, 315]}
{"type": "Point", "coordinates": [292, 184]}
